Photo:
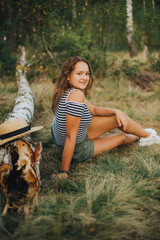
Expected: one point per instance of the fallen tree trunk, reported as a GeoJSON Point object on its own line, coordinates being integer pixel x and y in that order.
{"type": "Point", "coordinates": [19, 159]}
{"type": "Point", "coordinates": [24, 102]}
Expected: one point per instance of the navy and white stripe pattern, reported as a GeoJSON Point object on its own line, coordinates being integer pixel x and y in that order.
{"type": "Point", "coordinates": [74, 109]}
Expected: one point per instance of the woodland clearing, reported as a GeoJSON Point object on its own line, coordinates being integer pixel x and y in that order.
{"type": "Point", "coordinates": [116, 195]}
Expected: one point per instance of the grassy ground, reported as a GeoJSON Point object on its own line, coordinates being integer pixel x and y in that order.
{"type": "Point", "coordinates": [115, 196]}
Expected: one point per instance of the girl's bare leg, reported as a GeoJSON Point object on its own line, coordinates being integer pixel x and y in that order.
{"type": "Point", "coordinates": [101, 125]}
{"type": "Point", "coordinates": [108, 143]}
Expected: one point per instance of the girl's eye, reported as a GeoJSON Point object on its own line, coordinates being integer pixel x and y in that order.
{"type": "Point", "coordinates": [82, 73]}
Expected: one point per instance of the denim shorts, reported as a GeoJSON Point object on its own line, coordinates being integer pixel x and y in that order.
{"type": "Point", "coordinates": [83, 151]}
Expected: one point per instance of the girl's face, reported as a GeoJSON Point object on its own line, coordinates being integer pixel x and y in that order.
{"type": "Point", "coordinates": [79, 77]}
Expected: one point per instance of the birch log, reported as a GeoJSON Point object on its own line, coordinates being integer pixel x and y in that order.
{"type": "Point", "coordinates": [130, 29]}
{"type": "Point", "coordinates": [24, 102]}
{"type": "Point", "coordinates": [19, 160]}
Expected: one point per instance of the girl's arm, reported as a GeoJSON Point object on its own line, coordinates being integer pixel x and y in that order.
{"type": "Point", "coordinates": [106, 112]}
{"type": "Point", "coordinates": [100, 111]}
{"type": "Point", "coordinates": [72, 127]}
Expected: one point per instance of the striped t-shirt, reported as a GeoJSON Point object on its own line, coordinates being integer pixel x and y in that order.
{"type": "Point", "coordinates": [72, 108]}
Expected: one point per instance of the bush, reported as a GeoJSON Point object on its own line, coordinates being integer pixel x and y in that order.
{"type": "Point", "coordinates": [131, 70]}
{"type": "Point", "coordinates": [155, 64]}
{"type": "Point", "coordinates": [73, 44]}
{"type": "Point", "coordinates": [135, 73]}
{"type": "Point", "coordinates": [145, 79]}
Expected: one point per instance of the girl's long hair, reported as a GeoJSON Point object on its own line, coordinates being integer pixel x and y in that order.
{"type": "Point", "coordinates": [63, 85]}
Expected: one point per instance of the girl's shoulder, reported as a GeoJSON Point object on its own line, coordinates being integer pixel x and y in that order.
{"type": "Point", "coordinates": [76, 95]}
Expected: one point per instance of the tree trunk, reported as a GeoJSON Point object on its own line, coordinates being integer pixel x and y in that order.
{"type": "Point", "coordinates": [24, 102]}
{"type": "Point", "coordinates": [19, 159]}
{"type": "Point", "coordinates": [153, 3]}
{"type": "Point", "coordinates": [144, 5]}
{"type": "Point", "coordinates": [74, 15]}
{"type": "Point", "coordinates": [130, 29]}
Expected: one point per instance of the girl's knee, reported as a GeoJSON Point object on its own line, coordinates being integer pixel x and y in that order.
{"type": "Point", "coordinates": [126, 125]}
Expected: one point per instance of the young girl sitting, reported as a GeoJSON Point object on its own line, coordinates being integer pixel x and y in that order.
{"type": "Point", "coordinates": [78, 125]}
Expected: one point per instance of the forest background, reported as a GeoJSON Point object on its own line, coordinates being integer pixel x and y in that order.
{"type": "Point", "coordinates": [116, 195]}
{"type": "Point", "coordinates": [91, 29]}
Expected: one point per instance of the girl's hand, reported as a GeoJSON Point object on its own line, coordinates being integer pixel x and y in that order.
{"type": "Point", "coordinates": [121, 119]}
{"type": "Point", "coordinates": [62, 175]}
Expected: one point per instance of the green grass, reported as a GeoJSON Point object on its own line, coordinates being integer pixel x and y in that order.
{"type": "Point", "coordinates": [112, 197]}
